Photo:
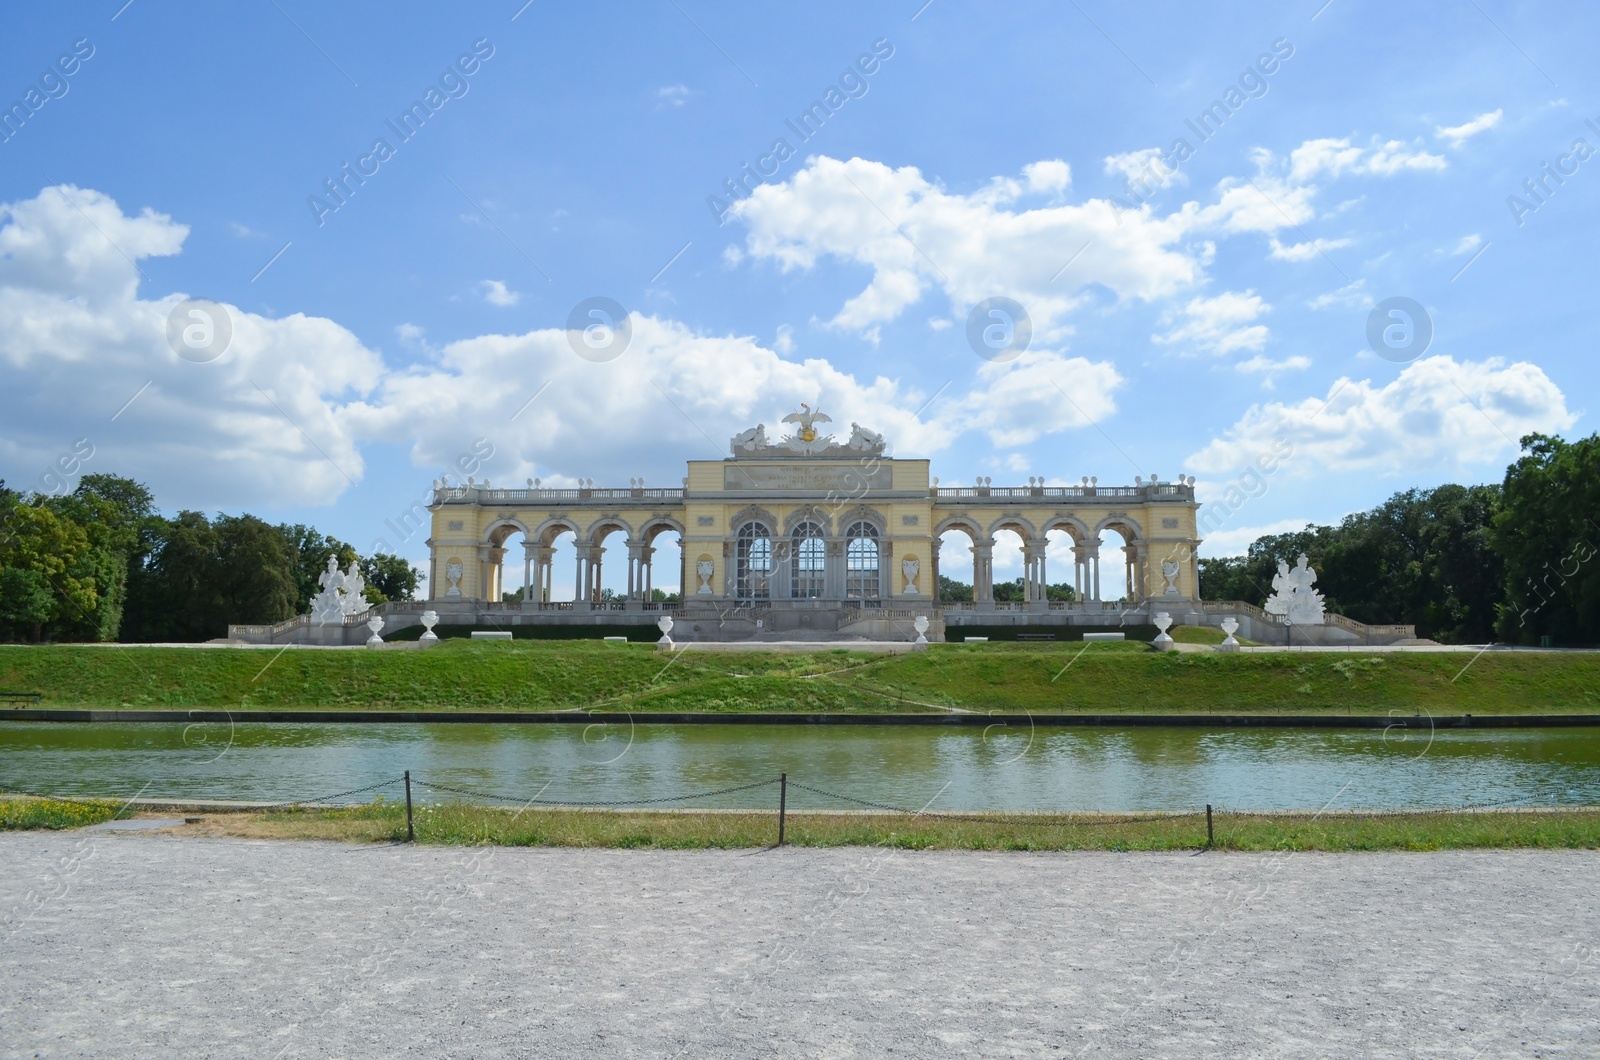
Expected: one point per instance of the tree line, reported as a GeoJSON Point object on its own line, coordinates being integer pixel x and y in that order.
{"type": "Point", "coordinates": [102, 564]}
{"type": "Point", "coordinates": [1509, 562]}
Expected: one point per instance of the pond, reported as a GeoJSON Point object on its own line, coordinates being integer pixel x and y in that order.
{"type": "Point", "coordinates": [916, 766]}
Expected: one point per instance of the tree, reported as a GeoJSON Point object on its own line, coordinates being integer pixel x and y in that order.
{"type": "Point", "coordinates": [312, 549]}
{"type": "Point", "coordinates": [43, 552]}
{"type": "Point", "coordinates": [389, 577]}
{"type": "Point", "coordinates": [1547, 534]}
{"type": "Point", "coordinates": [953, 591]}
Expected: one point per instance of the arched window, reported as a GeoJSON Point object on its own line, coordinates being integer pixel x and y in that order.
{"type": "Point", "coordinates": [861, 580]}
{"type": "Point", "coordinates": [753, 570]}
{"type": "Point", "coordinates": [808, 573]}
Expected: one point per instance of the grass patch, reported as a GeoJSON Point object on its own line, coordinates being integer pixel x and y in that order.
{"type": "Point", "coordinates": [23, 814]}
{"type": "Point", "coordinates": [1067, 677]}
{"type": "Point", "coordinates": [464, 825]}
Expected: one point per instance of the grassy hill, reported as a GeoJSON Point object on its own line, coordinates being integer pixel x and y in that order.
{"type": "Point", "coordinates": [1040, 678]}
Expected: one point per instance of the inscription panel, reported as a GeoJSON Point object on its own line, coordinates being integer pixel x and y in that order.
{"type": "Point", "coordinates": [821, 478]}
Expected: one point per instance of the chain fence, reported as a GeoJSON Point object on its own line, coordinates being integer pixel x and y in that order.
{"type": "Point", "coordinates": [1058, 819]}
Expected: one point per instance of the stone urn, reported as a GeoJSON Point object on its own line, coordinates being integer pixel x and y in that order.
{"type": "Point", "coordinates": [375, 623]}
{"type": "Point", "coordinates": [1163, 642]}
{"type": "Point", "coordinates": [664, 624]}
{"type": "Point", "coordinates": [1230, 626]}
{"type": "Point", "coordinates": [920, 624]}
{"type": "Point", "coordinates": [430, 618]}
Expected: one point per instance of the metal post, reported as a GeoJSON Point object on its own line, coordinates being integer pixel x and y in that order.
{"type": "Point", "coordinates": [411, 834]}
{"type": "Point", "coordinates": [1210, 836]}
{"type": "Point", "coordinates": [783, 802]}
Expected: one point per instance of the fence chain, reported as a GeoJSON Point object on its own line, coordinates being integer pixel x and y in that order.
{"type": "Point", "coordinates": [607, 803]}
{"type": "Point", "coordinates": [982, 818]}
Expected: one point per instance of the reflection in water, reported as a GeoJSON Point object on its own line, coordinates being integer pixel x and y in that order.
{"type": "Point", "coordinates": [1017, 767]}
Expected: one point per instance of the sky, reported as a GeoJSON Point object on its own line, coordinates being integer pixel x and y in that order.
{"type": "Point", "coordinates": [1350, 241]}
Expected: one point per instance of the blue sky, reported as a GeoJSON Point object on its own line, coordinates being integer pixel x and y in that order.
{"type": "Point", "coordinates": [1186, 322]}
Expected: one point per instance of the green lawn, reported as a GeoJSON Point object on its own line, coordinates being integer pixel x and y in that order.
{"type": "Point", "coordinates": [465, 825]}
{"type": "Point", "coordinates": [1037, 677]}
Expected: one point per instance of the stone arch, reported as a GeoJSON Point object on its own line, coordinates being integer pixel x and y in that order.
{"type": "Point", "coordinates": [659, 524]}
{"type": "Point", "coordinates": [553, 528]}
{"type": "Point", "coordinates": [1075, 527]}
{"type": "Point", "coordinates": [862, 514]}
{"type": "Point", "coordinates": [604, 526]}
{"type": "Point", "coordinates": [965, 523]}
{"type": "Point", "coordinates": [500, 529]}
{"type": "Point", "coordinates": [809, 514]}
{"type": "Point", "coordinates": [1122, 524]}
{"type": "Point", "coordinates": [1017, 525]}
{"type": "Point", "coordinates": [750, 513]}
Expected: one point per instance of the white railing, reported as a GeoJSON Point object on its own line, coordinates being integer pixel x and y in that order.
{"type": "Point", "coordinates": [1022, 493]}
{"type": "Point", "coordinates": [544, 495]}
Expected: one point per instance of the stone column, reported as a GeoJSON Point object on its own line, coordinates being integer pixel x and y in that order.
{"type": "Point", "coordinates": [646, 557]}
{"type": "Point", "coordinates": [635, 575]}
{"type": "Point", "coordinates": [933, 567]}
{"type": "Point", "coordinates": [528, 554]}
{"type": "Point", "coordinates": [1093, 556]}
{"type": "Point", "coordinates": [982, 571]}
{"type": "Point", "coordinates": [832, 568]}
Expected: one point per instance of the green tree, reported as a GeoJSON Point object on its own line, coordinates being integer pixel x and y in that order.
{"type": "Point", "coordinates": [953, 591]}
{"type": "Point", "coordinates": [1546, 533]}
{"type": "Point", "coordinates": [44, 552]}
{"type": "Point", "coordinates": [389, 577]}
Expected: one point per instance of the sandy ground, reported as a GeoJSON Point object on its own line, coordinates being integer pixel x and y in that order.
{"type": "Point", "coordinates": [148, 945]}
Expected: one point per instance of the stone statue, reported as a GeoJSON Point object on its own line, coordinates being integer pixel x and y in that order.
{"type": "Point", "coordinates": [909, 568]}
{"type": "Point", "coordinates": [1293, 599]}
{"type": "Point", "coordinates": [863, 440]}
{"type": "Point", "coordinates": [1169, 571]}
{"type": "Point", "coordinates": [750, 441]}
{"type": "Point", "coordinates": [341, 594]}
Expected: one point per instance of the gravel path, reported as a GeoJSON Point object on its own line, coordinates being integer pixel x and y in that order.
{"type": "Point", "coordinates": [137, 945]}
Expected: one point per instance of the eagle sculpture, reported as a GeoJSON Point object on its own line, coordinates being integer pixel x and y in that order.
{"type": "Point", "coordinates": [806, 419]}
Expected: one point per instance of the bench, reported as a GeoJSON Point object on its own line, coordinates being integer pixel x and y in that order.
{"type": "Point", "coordinates": [1105, 636]}
{"type": "Point", "coordinates": [623, 640]}
{"type": "Point", "coordinates": [491, 634]}
{"type": "Point", "coordinates": [1036, 636]}
{"type": "Point", "coordinates": [21, 697]}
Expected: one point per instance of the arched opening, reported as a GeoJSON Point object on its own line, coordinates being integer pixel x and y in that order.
{"type": "Point", "coordinates": [506, 542]}
{"type": "Point", "coordinates": [658, 566]}
{"type": "Point", "coordinates": [1063, 566]}
{"type": "Point", "coordinates": [863, 577]}
{"type": "Point", "coordinates": [553, 539]}
{"type": "Point", "coordinates": [953, 563]}
{"type": "Point", "coordinates": [597, 588]}
{"type": "Point", "coordinates": [1010, 568]}
{"type": "Point", "coordinates": [808, 562]}
{"type": "Point", "coordinates": [752, 577]}
{"type": "Point", "coordinates": [1118, 564]}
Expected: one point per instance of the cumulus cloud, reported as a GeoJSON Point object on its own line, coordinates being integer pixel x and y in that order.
{"type": "Point", "coordinates": [1437, 412]}
{"type": "Point", "coordinates": [1220, 325]}
{"type": "Point", "coordinates": [495, 292]}
{"type": "Point", "coordinates": [262, 423]}
{"type": "Point", "coordinates": [281, 416]}
{"type": "Point", "coordinates": [1460, 134]}
{"type": "Point", "coordinates": [1304, 251]}
{"type": "Point", "coordinates": [1053, 175]}
{"type": "Point", "coordinates": [1335, 157]}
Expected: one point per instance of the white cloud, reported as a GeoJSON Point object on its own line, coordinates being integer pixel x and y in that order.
{"type": "Point", "coordinates": [1304, 251]}
{"type": "Point", "coordinates": [1266, 365]}
{"type": "Point", "coordinates": [784, 342]}
{"type": "Point", "coordinates": [1467, 244]}
{"type": "Point", "coordinates": [1334, 157]}
{"type": "Point", "coordinates": [1048, 176]}
{"type": "Point", "coordinates": [261, 424]}
{"type": "Point", "coordinates": [1352, 295]}
{"type": "Point", "coordinates": [1144, 167]}
{"type": "Point", "coordinates": [1459, 134]}
{"type": "Point", "coordinates": [1017, 462]}
{"type": "Point", "coordinates": [280, 417]}
{"type": "Point", "coordinates": [1436, 413]}
{"type": "Point", "coordinates": [497, 293]}
{"type": "Point", "coordinates": [673, 95]}
{"type": "Point", "coordinates": [973, 246]}
{"type": "Point", "coordinates": [1221, 324]}
{"type": "Point", "coordinates": [1037, 394]}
